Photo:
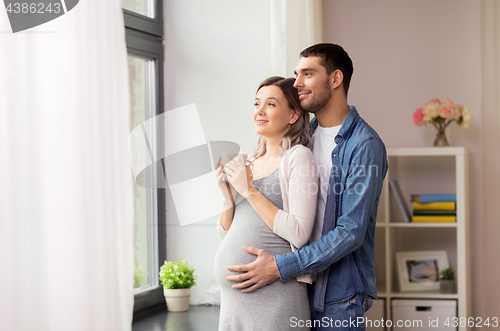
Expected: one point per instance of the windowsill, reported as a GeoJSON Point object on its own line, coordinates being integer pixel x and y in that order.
{"type": "Point", "coordinates": [200, 317]}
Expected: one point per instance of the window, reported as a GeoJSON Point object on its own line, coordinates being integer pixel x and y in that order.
{"type": "Point", "coordinates": [144, 35]}
{"type": "Point", "coordinates": [143, 106]}
{"type": "Point", "coordinates": [141, 7]}
{"type": "Point", "coordinates": [144, 15]}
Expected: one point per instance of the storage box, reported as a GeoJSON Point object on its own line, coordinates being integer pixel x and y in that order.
{"type": "Point", "coordinates": [423, 314]}
{"type": "Point", "coordinates": [375, 316]}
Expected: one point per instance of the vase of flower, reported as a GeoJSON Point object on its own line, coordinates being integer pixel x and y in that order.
{"type": "Point", "coordinates": [440, 114]}
{"type": "Point", "coordinates": [441, 140]}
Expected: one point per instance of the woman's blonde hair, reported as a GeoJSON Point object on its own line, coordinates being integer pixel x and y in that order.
{"type": "Point", "coordinates": [298, 132]}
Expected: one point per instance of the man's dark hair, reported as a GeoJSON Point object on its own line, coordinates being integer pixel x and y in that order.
{"type": "Point", "coordinates": [333, 57]}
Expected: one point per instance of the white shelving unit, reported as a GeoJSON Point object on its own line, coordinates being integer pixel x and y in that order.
{"type": "Point", "coordinates": [424, 171]}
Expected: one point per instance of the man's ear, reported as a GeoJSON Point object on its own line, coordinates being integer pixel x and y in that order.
{"type": "Point", "coordinates": [336, 78]}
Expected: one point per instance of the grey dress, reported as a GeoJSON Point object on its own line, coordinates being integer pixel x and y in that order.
{"type": "Point", "coordinates": [276, 306]}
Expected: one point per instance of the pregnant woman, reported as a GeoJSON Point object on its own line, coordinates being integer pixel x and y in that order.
{"type": "Point", "coordinates": [276, 213]}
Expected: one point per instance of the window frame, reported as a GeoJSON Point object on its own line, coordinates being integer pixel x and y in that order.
{"type": "Point", "coordinates": [138, 22]}
{"type": "Point", "coordinates": [148, 43]}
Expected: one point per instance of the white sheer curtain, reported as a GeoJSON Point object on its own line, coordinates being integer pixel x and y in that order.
{"type": "Point", "coordinates": [491, 153]}
{"type": "Point", "coordinates": [295, 25]}
{"type": "Point", "coordinates": [66, 218]}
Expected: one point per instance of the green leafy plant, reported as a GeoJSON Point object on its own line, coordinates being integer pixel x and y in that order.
{"type": "Point", "coordinates": [176, 275]}
{"type": "Point", "coordinates": [447, 274]}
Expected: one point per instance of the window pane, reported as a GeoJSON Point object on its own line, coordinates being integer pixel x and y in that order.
{"type": "Point", "coordinates": [143, 7]}
{"type": "Point", "coordinates": [143, 106]}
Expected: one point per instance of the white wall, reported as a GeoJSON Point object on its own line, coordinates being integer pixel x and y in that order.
{"type": "Point", "coordinates": [406, 53]}
{"type": "Point", "coordinates": [216, 54]}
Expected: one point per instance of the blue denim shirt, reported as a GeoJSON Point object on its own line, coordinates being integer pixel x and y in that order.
{"type": "Point", "coordinates": [344, 256]}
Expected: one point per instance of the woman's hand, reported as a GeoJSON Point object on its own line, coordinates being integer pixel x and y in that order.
{"type": "Point", "coordinates": [240, 176]}
{"type": "Point", "coordinates": [228, 192]}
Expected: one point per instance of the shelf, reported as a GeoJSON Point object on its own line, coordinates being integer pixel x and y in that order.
{"type": "Point", "coordinates": [422, 295]}
{"type": "Point", "coordinates": [416, 225]}
{"type": "Point", "coordinates": [382, 293]}
{"type": "Point", "coordinates": [427, 170]}
{"type": "Point", "coordinates": [426, 151]}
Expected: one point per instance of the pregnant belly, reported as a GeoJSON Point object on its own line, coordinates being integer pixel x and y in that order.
{"type": "Point", "coordinates": [231, 250]}
{"type": "Point", "coordinates": [250, 230]}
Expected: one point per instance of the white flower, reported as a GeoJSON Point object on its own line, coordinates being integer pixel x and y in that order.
{"type": "Point", "coordinates": [430, 111]}
{"type": "Point", "coordinates": [466, 118]}
{"type": "Point", "coordinates": [457, 111]}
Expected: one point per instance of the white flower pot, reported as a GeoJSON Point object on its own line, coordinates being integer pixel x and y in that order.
{"type": "Point", "coordinates": [177, 299]}
{"type": "Point", "coordinates": [447, 286]}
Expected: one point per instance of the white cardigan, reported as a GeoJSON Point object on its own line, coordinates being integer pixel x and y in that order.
{"type": "Point", "coordinates": [299, 183]}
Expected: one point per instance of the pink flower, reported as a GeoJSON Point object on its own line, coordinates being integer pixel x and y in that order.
{"type": "Point", "coordinates": [442, 113]}
{"type": "Point", "coordinates": [450, 103]}
{"type": "Point", "coordinates": [418, 117]}
{"type": "Point", "coordinates": [434, 101]}
{"type": "Point", "coordinates": [445, 111]}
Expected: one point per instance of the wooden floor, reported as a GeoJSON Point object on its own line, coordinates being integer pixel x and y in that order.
{"type": "Point", "coordinates": [198, 318]}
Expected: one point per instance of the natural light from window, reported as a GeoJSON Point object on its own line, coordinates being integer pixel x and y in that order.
{"type": "Point", "coordinates": [143, 107]}
{"type": "Point", "coordinates": [142, 7]}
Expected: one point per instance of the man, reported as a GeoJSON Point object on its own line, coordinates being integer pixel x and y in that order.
{"type": "Point", "coordinates": [352, 162]}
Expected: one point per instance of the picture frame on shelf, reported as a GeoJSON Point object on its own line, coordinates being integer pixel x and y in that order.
{"type": "Point", "coordinates": [420, 270]}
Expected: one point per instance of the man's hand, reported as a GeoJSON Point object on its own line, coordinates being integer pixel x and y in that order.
{"type": "Point", "coordinates": [259, 273]}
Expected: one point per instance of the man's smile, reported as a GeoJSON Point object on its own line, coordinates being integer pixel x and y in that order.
{"type": "Point", "coordinates": [303, 94]}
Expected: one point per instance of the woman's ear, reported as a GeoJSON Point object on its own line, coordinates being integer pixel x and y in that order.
{"type": "Point", "coordinates": [295, 116]}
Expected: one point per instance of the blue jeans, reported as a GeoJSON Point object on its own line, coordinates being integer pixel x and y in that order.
{"type": "Point", "coordinates": [341, 316]}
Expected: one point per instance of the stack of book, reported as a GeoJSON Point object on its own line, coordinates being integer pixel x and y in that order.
{"type": "Point", "coordinates": [434, 208]}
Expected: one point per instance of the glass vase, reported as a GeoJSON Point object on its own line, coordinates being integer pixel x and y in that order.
{"type": "Point", "coordinates": [441, 140]}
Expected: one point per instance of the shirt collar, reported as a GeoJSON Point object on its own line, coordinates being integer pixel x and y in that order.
{"type": "Point", "coordinates": [347, 125]}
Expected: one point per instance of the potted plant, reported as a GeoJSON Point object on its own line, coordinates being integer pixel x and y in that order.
{"type": "Point", "coordinates": [177, 279]}
{"type": "Point", "coordinates": [447, 283]}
